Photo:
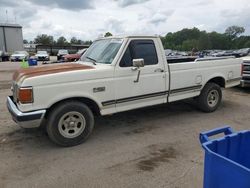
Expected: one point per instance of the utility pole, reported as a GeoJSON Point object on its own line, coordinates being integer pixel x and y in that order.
{"type": "Point", "coordinates": [7, 19]}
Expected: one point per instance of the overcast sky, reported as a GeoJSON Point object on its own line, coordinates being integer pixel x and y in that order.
{"type": "Point", "coordinates": [88, 19]}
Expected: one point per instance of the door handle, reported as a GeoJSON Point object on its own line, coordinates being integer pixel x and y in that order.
{"type": "Point", "coordinates": [159, 70]}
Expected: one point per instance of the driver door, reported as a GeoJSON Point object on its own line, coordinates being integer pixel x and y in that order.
{"type": "Point", "coordinates": [151, 86]}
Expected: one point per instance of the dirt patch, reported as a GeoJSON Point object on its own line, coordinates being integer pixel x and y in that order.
{"type": "Point", "coordinates": [140, 130]}
{"type": "Point", "coordinates": [241, 91]}
{"type": "Point", "coordinates": [5, 84]}
{"type": "Point", "coordinates": [20, 136]}
{"type": "Point", "coordinates": [7, 71]}
{"type": "Point", "coordinates": [155, 158]}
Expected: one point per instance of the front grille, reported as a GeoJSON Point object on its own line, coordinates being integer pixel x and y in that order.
{"type": "Point", "coordinates": [42, 58]}
{"type": "Point", "coordinates": [246, 67]}
{"type": "Point", "coordinates": [245, 78]}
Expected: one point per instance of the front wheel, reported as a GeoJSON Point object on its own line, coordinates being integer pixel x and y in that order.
{"type": "Point", "coordinates": [210, 97]}
{"type": "Point", "coordinates": [70, 123]}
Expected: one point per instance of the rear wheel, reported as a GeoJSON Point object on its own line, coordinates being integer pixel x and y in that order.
{"type": "Point", "coordinates": [210, 97]}
{"type": "Point", "coordinates": [70, 123]}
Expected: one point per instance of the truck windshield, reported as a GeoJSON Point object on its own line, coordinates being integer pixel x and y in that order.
{"type": "Point", "coordinates": [102, 51]}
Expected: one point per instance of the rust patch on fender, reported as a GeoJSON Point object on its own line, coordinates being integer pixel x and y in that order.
{"type": "Point", "coordinates": [47, 69]}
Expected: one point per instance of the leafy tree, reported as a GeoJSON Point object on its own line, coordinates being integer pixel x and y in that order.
{"type": "Point", "coordinates": [234, 31]}
{"type": "Point", "coordinates": [242, 42]}
{"type": "Point", "coordinates": [74, 40]}
{"type": "Point", "coordinates": [62, 41]}
{"type": "Point", "coordinates": [44, 39]}
{"type": "Point", "coordinates": [189, 44]}
{"type": "Point", "coordinates": [186, 39]}
{"type": "Point", "coordinates": [219, 41]}
{"type": "Point", "coordinates": [88, 42]}
{"type": "Point", "coordinates": [204, 42]}
{"type": "Point", "coordinates": [108, 34]}
{"type": "Point", "coordinates": [247, 44]}
{"type": "Point", "coordinates": [25, 41]}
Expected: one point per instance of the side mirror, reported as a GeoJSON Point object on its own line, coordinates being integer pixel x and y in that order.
{"type": "Point", "coordinates": [138, 63]}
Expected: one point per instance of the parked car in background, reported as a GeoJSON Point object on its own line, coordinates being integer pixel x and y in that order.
{"type": "Point", "coordinates": [61, 53]}
{"type": "Point", "coordinates": [42, 56]}
{"type": "Point", "coordinates": [19, 56]}
{"type": "Point", "coordinates": [241, 52]}
{"type": "Point", "coordinates": [4, 56]}
{"type": "Point", "coordinates": [74, 57]}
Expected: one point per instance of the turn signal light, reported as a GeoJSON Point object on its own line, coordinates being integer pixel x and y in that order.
{"type": "Point", "coordinates": [25, 95]}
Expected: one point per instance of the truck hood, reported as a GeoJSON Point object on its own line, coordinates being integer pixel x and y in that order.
{"type": "Point", "coordinates": [24, 73]}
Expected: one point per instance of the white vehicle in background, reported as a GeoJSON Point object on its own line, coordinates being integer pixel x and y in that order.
{"type": "Point", "coordinates": [19, 56]}
{"type": "Point", "coordinates": [42, 56]}
{"type": "Point", "coordinates": [115, 74]}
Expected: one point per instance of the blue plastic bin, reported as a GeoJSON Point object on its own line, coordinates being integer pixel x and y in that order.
{"type": "Point", "coordinates": [32, 62]}
{"type": "Point", "coordinates": [227, 159]}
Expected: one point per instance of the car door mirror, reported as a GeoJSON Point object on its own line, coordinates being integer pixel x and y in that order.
{"type": "Point", "coordinates": [138, 63]}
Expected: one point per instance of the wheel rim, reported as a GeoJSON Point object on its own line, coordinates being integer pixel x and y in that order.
{"type": "Point", "coordinates": [71, 124]}
{"type": "Point", "coordinates": [213, 98]}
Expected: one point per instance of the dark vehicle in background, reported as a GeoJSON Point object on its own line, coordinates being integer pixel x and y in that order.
{"type": "Point", "coordinates": [241, 52]}
{"type": "Point", "coordinates": [4, 56]}
{"type": "Point", "coordinates": [61, 53]}
{"type": "Point", "coordinates": [74, 57]}
{"type": "Point", "coordinates": [42, 56]}
{"type": "Point", "coordinates": [19, 56]}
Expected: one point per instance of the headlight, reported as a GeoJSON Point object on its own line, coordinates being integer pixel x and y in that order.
{"type": "Point", "coordinates": [25, 95]}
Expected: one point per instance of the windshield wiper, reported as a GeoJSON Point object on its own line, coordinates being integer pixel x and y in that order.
{"type": "Point", "coordinates": [93, 60]}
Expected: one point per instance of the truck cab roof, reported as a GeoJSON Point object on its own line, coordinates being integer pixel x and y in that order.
{"type": "Point", "coordinates": [130, 36]}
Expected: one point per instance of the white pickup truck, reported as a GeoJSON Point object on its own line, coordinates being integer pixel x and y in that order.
{"type": "Point", "coordinates": [115, 74]}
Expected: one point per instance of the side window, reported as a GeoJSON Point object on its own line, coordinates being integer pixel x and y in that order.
{"type": "Point", "coordinates": [139, 49]}
{"type": "Point", "coordinates": [126, 59]}
{"type": "Point", "coordinates": [145, 49]}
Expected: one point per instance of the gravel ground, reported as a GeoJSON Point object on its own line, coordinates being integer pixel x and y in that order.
{"type": "Point", "coordinates": [151, 147]}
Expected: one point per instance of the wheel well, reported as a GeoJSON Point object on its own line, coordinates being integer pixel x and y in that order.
{"type": "Point", "coordinates": [218, 80]}
{"type": "Point", "coordinates": [90, 103]}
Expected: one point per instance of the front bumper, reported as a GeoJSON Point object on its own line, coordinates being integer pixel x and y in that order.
{"type": "Point", "coordinates": [17, 58]}
{"type": "Point", "coordinates": [25, 119]}
{"type": "Point", "coordinates": [245, 83]}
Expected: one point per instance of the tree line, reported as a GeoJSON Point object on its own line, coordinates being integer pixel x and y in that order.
{"type": "Point", "coordinates": [61, 41]}
{"type": "Point", "coordinates": [188, 39]}
{"type": "Point", "coordinates": [184, 40]}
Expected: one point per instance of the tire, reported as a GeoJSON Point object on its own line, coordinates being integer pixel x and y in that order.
{"type": "Point", "coordinates": [70, 123]}
{"type": "Point", "coordinates": [210, 97]}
